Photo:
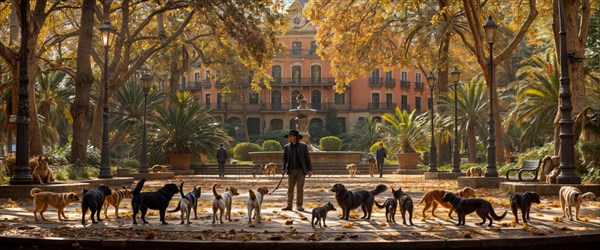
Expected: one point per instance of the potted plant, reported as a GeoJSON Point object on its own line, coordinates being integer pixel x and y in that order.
{"type": "Point", "coordinates": [181, 129]}
{"type": "Point", "coordinates": [405, 135]}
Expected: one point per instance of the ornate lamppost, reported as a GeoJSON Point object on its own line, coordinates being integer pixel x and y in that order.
{"type": "Point", "coordinates": [108, 33]}
{"type": "Point", "coordinates": [490, 29]}
{"type": "Point", "coordinates": [567, 151]}
{"type": "Point", "coordinates": [22, 174]}
{"type": "Point", "coordinates": [455, 154]}
{"type": "Point", "coordinates": [432, 150]}
{"type": "Point", "coordinates": [146, 80]}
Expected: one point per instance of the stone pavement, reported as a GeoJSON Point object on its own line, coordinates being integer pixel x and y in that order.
{"type": "Point", "coordinates": [292, 229]}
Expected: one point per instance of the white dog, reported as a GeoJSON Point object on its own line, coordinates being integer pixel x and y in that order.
{"type": "Point", "coordinates": [255, 202]}
{"type": "Point", "coordinates": [222, 203]}
{"type": "Point", "coordinates": [572, 197]}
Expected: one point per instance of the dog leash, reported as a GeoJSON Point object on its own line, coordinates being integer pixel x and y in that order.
{"type": "Point", "coordinates": [278, 184]}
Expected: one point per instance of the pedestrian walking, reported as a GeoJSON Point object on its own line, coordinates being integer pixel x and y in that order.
{"type": "Point", "coordinates": [221, 159]}
{"type": "Point", "coordinates": [381, 155]}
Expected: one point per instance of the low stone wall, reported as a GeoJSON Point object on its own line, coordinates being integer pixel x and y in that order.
{"type": "Point", "coordinates": [478, 182]}
{"type": "Point", "coordinates": [23, 191]}
{"type": "Point", "coordinates": [318, 157]}
{"type": "Point", "coordinates": [545, 189]}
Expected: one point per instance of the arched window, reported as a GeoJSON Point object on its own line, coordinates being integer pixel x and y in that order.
{"type": "Point", "coordinates": [276, 74]}
{"type": "Point", "coordinates": [275, 100]}
{"type": "Point", "coordinates": [253, 125]}
{"type": "Point", "coordinates": [296, 74]}
{"type": "Point", "coordinates": [315, 74]}
{"type": "Point", "coordinates": [315, 99]}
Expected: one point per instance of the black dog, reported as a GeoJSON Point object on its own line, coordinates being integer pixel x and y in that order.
{"type": "Point", "coordinates": [94, 200]}
{"type": "Point", "coordinates": [405, 204]}
{"type": "Point", "coordinates": [153, 200]}
{"type": "Point", "coordinates": [464, 206]}
{"type": "Point", "coordinates": [523, 201]}
{"type": "Point", "coordinates": [349, 200]}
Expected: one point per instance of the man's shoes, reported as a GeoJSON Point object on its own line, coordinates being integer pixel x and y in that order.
{"type": "Point", "coordinates": [300, 209]}
{"type": "Point", "coordinates": [286, 209]}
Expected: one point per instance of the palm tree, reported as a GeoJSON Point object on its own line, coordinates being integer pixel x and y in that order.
{"type": "Point", "coordinates": [536, 99]}
{"type": "Point", "coordinates": [405, 133]}
{"type": "Point", "coordinates": [473, 108]}
{"type": "Point", "coordinates": [364, 134]}
{"type": "Point", "coordinates": [54, 95]}
{"type": "Point", "coordinates": [181, 126]}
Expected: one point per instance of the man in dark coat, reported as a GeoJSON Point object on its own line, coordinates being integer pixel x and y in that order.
{"type": "Point", "coordinates": [221, 159]}
{"type": "Point", "coordinates": [296, 164]}
{"type": "Point", "coordinates": [381, 155]}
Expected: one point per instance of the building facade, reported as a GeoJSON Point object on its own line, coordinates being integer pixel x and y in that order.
{"type": "Point", "coordinates": [299, 69]}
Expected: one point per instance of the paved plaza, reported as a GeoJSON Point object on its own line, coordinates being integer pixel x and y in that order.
{"type": "Point", "coordinates": [547, 228]}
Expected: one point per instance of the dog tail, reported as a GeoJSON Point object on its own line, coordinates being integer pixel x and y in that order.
{"type": "Point", "coordinates": [379, 189]}
{"type": "Point", "coordinates": [138, 187]}
{"type": "Point", "coordinates": [218, 196]}
{"type": "Point", "coordinates": [379, 205]}
{"type": "Point", "coordinates": [252, 195]}
{"type": "Point", "coordinates": [181, 190]}
{"type": "Point", "coordinates": [177, 208]}
{"type": "Point", "coordinates": [495, 216]}
{"type": "Point", "coordinates": [34, 191]}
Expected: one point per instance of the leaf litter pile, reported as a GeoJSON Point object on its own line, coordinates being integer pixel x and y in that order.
{"type": "Point", "coordinates": [546, 218]}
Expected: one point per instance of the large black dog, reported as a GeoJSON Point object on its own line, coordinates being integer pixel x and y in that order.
{"type": "Point", "coordinates": [94, 200]}
{"type": "Point", "coordinates": [523, 201]}
{"type": "Point", "coordinates": [464, 206]}
{"type": "Point", "coordinates": [349, 200]}
{"type": "Point", "coordinates": [153, 200]}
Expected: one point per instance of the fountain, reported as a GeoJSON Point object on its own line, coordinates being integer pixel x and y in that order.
{"type": "Point", "coordinates": [321, 160]}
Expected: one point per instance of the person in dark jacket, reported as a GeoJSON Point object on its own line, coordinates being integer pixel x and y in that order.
{"type": "Point", "coordinates": [296, 164]}
{"type": "Point", "coordinates": [221, 159]}
{"type": "Point", "coordinates": [381, 155]}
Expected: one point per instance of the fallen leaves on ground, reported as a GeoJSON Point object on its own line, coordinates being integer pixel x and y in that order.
{"type": "Point", "coordinates": [315, 237]}
{"type": "Point", "coordinates": [348, 225]}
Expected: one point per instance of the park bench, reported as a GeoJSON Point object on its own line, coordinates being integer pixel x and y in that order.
{"type": "Point", "coordinates": [529, 166]}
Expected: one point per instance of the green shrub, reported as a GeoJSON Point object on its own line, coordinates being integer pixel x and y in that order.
{"type": "Point", "coordinates": [93, 154]}
{"type": "Point", "coordinates": [241, 150]}
{"type": "Point", "coordinates": [271, 145]}
{"type": "Point", "coordinates": [276, 135]}
{"type": "Point", "coordinates": [330, 143]}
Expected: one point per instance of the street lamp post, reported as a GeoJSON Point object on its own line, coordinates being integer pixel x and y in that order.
{"type": "Point", "coordinates": [22, 174]}
{"type": "Point", "coordinates": [455, 154]}
{"type": "Point", "coordinates": [108, 36]}
{"type": "Point", "coordinates": [567, 151]}
{"type": "Point", "coordinates": [432, 150]}
{"type": "Point", "coordinates": [490, 29]}
{"type": "Point", "coordinates": [146, 80]}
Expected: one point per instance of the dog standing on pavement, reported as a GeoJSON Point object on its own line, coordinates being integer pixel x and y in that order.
{"type": "Point", "coordinates": [523, 201]}
{"type": "Point", "coordinates": [572, 197]}
{"type": "Point", "coordinates": [320, 213]}
{"type": "Point", "coordinates": [349, 200]}
{"type": "Point", "coordinates": [352, 170]}
{"type": "Point", "coordinates": [94, 201]}
{"type": "Point", "coordinates": [464, 206]}
{"type": "Point", "coordinates": [466, 192]}
{"type": "Point", "coordinates": [41, 200]}
{"type": "Point", "coordinates": [221, 203]}
{"type": "Point", "coordinates": [187, 202]}
{"type": "Point", "coordinates": [158, 200]}
{"type": "Point", "coordinates": [270, 169]}
{"type": "Point", "coordinates": [115, 199]}
{"type": "Point", "coordinates": [372, 165]}
{"type": "Point", "coordinates": [255, 202]}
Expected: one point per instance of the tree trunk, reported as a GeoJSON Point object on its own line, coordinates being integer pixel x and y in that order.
{"type": "Point", "coordinates": [84, 79]}
{"type": "Point", "coordinates": [445, 146]}
{"type": "Point", "coordinates": [576, 25]}
{"type": "Point", "coordinates": [14, 26]}
{"type": "Point", "coordinates": [472, 143]}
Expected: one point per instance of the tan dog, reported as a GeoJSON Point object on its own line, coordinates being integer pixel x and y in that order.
{"type": "Point", "coordinates": [270, 169]}
{"type": "Point", "coordinates": [255, 202]}
{"type": "Point", "coordinates": [550, 169]}
{"type": "Point", "coordinates": [352, 170]}
{"type": "Point", "coordinates": [474, 171]}
{"type": "Point", "coordinates": [221, 203]}
{"type": "Point", "coordinates": [466, 192]}
{"type": "Point", "coordinates": [115, 199]}
{"type": "Point", "coordinates": [372, 165]}
{"type": "Point", "coordinates": [158, 169]}
{"type": "Point", "coordinates": [40, 171]}
{"type": "Point", "coordinates": [572, 197]}
{"type": "Point", "coordinates": [41, 200]}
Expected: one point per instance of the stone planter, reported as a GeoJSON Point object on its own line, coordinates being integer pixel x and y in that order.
{"type": "Point", "coordinates": [180, 161]}
{"type": "Point", "coordinates": [408, 161]}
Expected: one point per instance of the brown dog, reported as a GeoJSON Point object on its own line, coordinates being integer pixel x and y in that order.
{"type": "Point", "coordinates": [115, 199]}
{"type": "Point", "coordinates": [474, 171]}
{"type": "Point", "coordinates": [41, 200]}
{"type": "Point", "coordinates": [158, 169]}
{"type": "Point", "coordinates": [372, 165]}
{"type": "Point", "coordinates": [352, 170]}
{"type": "Point", "coordinates": [255, 202]}
{"type": "Point", "coordinates": [40, 171]}
{"type": "Point", "coordinates": [270, 169]}
{"type": "Point", "coordinates": [434, 197]}
{"type": "Point", "coordinates": [466, 192]}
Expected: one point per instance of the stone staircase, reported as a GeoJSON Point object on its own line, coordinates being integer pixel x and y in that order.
{"type": "Point", "coordinates": [318, 169]}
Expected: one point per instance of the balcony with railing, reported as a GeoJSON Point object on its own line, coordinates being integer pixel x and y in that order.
{"type": "Point", "coordinates": [383, 106]}
{"type": "Point", "coordinates": [419, 86]}
{"type": "Point", "coordinates": [390, 82]}
{"type": "Point", "coordinates": [305, 81]}
{"type": "Point", "coordinates": [404, 84]}
{"type": "Point", "coordinates": [297, 53]}
{"type": "Point", "coordinates": [225, 106]}
{"type": "Point", "coordinates": [375, 81]}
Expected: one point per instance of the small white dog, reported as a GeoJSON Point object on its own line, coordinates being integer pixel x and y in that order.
{"type": "Point", "coordinates": [254, 203]}
{"type": "Point", "coordinates": [222, 203]}
{"type": "Point", "coordinates": [572, 197]}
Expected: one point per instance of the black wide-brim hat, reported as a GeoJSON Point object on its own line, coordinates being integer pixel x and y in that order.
{"type": "Point", "coordinates": [293, 132]}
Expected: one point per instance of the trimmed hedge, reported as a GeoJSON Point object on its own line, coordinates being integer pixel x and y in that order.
{"type": "Point", "coordinates": [330, 143]}
{"type": "Point", "coordinates": [241, 150]}
{"type": "Point", "coordinates": [271, 145]}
